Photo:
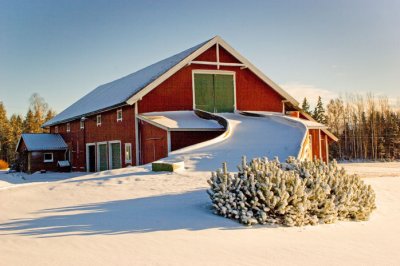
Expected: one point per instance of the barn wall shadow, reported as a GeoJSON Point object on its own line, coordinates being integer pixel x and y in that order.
{"type": "Point", "coordinates": [188, 211]}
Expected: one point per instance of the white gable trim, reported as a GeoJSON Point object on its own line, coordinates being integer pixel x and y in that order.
{"type": "Point", "coordinates": [219, 41]}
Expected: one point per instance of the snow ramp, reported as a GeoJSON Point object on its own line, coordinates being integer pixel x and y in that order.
{"type": "Point", "coordinates": [247, 134]}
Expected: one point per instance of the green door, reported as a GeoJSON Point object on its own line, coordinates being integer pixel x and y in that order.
{"type": "Point", "coordinates": [224, 94]}
{"type": "Point", "coordinates": [115, 155]}
{"type": "Point", "coordinates": [204, 92]}
{"type": "Point", "coordinates": [102, 153]}
{"type": "Point", "coordinates": [214, 93]}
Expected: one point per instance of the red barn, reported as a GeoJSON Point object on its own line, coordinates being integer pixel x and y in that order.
{"type": "Point", "coordinates": [133, 120]}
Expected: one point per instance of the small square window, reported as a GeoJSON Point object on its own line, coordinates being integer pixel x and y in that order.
{"type": "Point", "coordinates": [119, 115]}
{"type": "Point", "coordinates": [56, 129]}
{"type": "Point", "coordinates": [68, 127]}
{"type": "Point", "coordinates": [48, 157]}
{"type": "Point", "coordinates": [98, 120]}
{"type": "Point", "coordinates": [82, 124]}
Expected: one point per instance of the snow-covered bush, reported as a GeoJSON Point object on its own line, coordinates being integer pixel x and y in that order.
{"type": "Point", "coordinates": [293, 193]}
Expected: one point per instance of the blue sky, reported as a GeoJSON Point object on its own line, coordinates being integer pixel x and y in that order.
{"type": "Point", "coordinates": [64, 49]}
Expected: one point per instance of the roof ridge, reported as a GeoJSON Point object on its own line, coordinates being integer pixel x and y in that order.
{"type": "Point", "coordinates": [128, 86]}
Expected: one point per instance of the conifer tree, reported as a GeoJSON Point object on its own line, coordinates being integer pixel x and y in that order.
{"type": "Point", "coordinates": [319, 112]}
{"type": "Point", "coordinates": [16, 125]}
{"type": "Point", "coordinates": [305, 106]}
{"type": "Point", "coordinates": [29, 122]}
{"type": "Point", "coordinates": [4, 129]}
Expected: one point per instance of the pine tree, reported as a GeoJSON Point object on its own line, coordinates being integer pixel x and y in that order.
{"type": "Point", "coordinates": [305, 106]}
{"type": "Point", "coordinates": [4, 131]}
{"type": "Point", "coordinates": [50, 114]}
{"type": "Point", "coordinates": [29, 122]}
{"type": "Point", "coordinates": [16, 125]}
{"type": "Point", "coordinates": [319, 112]}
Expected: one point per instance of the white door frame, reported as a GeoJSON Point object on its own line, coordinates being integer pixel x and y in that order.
{"type": "Point", "coordinates": [214, 72]}
{"type": "Point", "coordinates": [87, 156]}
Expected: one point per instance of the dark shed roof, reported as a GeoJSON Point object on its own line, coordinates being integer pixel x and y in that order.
{"type": "Point", "coordinates": [43, 142]}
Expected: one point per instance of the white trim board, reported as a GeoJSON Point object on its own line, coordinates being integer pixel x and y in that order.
{"type": "Point", "coordinates": [137, 145]}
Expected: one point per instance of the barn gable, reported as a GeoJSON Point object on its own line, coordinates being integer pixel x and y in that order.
{"type": "Point", "coordinates": [134, 87]}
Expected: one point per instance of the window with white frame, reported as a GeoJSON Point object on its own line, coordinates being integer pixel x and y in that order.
{"type": "Point", "coordinates": [48, 157]}
{"type": "Point", "coordinates": [98, 120]}
{"type": "Point", "coordinates": [56, 129]}
{"type": "Point", "coordinates": [82, 124]}
{"type": "Point", "coordinates": [68, 127]}
{"type": "Point", "coordinates": [119, 115]}
{"type": "Point", "coordinates": [128, 153]}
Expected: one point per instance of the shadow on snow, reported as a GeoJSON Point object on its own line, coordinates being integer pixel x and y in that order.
{"type": "Point", "coordinates": [186, 211]}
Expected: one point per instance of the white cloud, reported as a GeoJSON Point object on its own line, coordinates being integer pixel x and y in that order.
{"type": "Point", "coordinates": [299, 91]}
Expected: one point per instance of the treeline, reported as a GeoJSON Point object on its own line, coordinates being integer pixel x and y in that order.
{"type": "Point", "coordinates": [12, 128]}
{"type": "Point", "coordinates": [367, 127]}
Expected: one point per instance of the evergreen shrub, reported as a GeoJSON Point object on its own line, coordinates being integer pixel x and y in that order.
{"type": "Point", "coordinates": [293, 193]}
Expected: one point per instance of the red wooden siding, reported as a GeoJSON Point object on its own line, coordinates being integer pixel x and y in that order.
{"type": "Point", "coordinates": [109, 130]}
{"type": "Point", "coordinates": [324, 147]}
{"type": "Point", "coordinates": [226, 57]}
{"type": "Point", "coordinates": [37, 160]}
{"type": "Point", "coordinates": [253, 94]}
{"type": "Point", "coordinates": [316, 143]}
{"type": "Point", "coordinates": [176, 93]}
{"type": "Point", "coordinates": [181, 139]}
{"type": "Point", "coordinates": [153, 143]}
{"type": "Point", "coordinates": [209, 55]}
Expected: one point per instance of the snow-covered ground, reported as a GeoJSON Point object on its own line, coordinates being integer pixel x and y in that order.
{"type": "Point", "coordinates": [134, 216]}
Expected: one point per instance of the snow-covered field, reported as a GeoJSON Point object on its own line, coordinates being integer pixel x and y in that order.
{"type": "Point", "coordinates": [134, 216]}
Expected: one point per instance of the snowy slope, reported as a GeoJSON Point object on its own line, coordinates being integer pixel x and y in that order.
{"type": "Point", "coordinates": [269, 136]}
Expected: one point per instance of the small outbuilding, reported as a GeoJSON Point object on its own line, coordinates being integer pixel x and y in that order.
{"type": "Point", "coordinates": [38, 152]}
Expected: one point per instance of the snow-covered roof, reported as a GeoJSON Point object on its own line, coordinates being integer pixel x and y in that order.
{"type": "Point", "coordinates": [43, 142]}
{"type": "Point", "coordinates": [117, 92]}
{"type": "Point", "coordinates": [308, 123]}
{"type": "Point", "coordinates": [131, 88]}
{"type": "Point", "coordinates": [180, 120]}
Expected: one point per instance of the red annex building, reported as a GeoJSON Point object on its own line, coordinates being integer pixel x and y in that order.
{"type": "Point", "coordinates": [125, 122]}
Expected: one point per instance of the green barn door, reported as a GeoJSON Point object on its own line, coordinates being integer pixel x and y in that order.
{"type": "Point", "coordinates": [214, 93]}
{"type": "Point", "coordinates": [204, 92]}
{"type": "Point", "coordinates": [115, 149]}
{"type": "Point", "coordinates": [224, 94]}
{"type": "Point", "coordinates": [102, 160]}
